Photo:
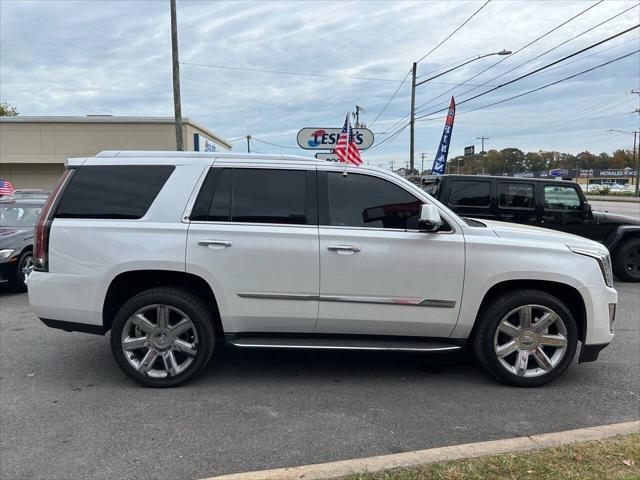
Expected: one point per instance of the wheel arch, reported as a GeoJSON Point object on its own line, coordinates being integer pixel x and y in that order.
{"type": "Point", "coordinates": [127, 284]}
{"type": "Point", "coordinates": [567, 294]}
{"type": "Point", "coordinates": [621, 235]}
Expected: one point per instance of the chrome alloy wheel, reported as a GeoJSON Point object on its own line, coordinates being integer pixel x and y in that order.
{"type": "Point", "coordinates": [159, 341]}
{"type": "Point", "coordinates": [26, 268]}
{"type": "Point", "coordinates": [530, 340]}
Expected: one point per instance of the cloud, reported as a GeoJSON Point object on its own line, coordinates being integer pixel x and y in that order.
{"type": "Point", "coordinates": [75, 58]}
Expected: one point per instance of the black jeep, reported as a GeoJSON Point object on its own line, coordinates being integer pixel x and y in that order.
{"type": "Point", "coordinates": [549, 203]}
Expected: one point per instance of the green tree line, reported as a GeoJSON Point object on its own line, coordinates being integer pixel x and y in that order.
{"type": "Point", "coordinates": [511, 160]}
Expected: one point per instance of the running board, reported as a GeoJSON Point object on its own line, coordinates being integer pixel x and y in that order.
{"type": "Point", "coordinates": [343, 343]}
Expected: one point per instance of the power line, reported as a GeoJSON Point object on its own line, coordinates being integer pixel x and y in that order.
{"type": "Point", "coordinates": [390, 137]}
{"type": "Point", "coordinates": [551, 49]}
{"type": "Point", "coordinates": [554, 83]}
{"type": "Point", "coordinates": [538, 69]}
{"type": "Point", "coordinates": [391, 98]}
{"type": "Point", "coordinates": [609, 103]}
{"type": "Point", "coordinates": [273, 144]}
{"type": "Point", "coordinates": [453, 33]}
{"type": "Point", "coordinates": [515, 53]}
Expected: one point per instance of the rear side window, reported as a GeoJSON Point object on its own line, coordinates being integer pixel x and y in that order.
{"type": "Point", "coordinates": [253, 195]}
{"type": "Point", "coordinates": [364, 201]}
{"type": "Point", "coordinates": [516, 195]}
{"type": "Point", "coordinates": [470, 193]}
{"type": "Point", "coordinates": [561, 198]}
{"type": "Point", "coordinates": [112, 191]}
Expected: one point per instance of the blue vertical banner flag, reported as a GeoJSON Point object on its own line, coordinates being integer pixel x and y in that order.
{"type": "Point", "coordinates": [440, 162]}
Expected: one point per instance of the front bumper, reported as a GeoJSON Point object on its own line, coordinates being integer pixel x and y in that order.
{"type": "Point", "coordinates": [600, 306]}
{"type": "Point", "coordinates": [7, 271]}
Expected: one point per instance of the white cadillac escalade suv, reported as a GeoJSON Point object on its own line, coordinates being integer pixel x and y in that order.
{"type": "Point", "coordinates": [174, 252]}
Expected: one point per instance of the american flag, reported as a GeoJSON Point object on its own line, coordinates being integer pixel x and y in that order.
{"type": "Point", "coordinates": [346, 149]}
{"type": "Point", "coordinates": [5, 187]}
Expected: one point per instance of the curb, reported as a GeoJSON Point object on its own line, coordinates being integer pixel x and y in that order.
{"type": "Point", "coordinates": [432, 455]}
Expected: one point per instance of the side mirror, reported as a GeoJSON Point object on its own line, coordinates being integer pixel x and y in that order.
{"type": "Point", "coordinates": [430, 220]}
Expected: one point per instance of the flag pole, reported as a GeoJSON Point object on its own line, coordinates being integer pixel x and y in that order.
{"type": "Point", "coordinates": [346, 156]}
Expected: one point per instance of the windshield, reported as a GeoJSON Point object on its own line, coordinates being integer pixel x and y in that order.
{"type": "Point", "coordinates": [18, 216]}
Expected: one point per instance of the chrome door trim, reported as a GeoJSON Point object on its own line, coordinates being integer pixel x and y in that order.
{"type": "Point", "coordinates": [415, 302]}
{"type": "Point", "coordinates": [278, 296]}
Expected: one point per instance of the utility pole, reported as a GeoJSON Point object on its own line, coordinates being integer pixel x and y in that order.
{"type": "Point", "coordinates": [413, 113]}
{"type": "Point", "coordinates": [177, 108]}
{"type": "Point", "coordinates": [482, 139]}
{"type": "Point", "coordinates": [357, 116]}
{"type": "Point", "coordinates": [634, 167]}
{"type": "Point", "coordinates": [248, 143]}
{"type": "Point", "coordinates": [422, 164]}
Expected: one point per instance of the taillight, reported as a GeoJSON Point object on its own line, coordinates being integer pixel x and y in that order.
{"type": "Point", "coordinates": [43, 226]}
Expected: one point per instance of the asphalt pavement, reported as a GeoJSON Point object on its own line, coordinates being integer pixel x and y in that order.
{"type": "Point", "coordinates": [67, 412]}
{"type": "Point", "coordinates": [631, 209]}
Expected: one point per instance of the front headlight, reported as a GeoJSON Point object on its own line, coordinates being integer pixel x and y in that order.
{"type": "Point", "coordinates": [603, 259]}
{"type": "Point", "coordinates": [6, 253]}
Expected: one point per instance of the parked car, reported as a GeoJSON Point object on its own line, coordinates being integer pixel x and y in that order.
{"type": "Point", "coordinates": [18, 217]}
{"type": "Point", "coordinates": [172, 251]}
{"type": "Point", "coordinates": [556, 204]}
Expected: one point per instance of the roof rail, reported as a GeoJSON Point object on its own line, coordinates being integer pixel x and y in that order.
{"type": "Point", "coordinates": [171, 154]}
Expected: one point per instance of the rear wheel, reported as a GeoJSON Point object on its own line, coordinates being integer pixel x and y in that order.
{"type": "Point", "coordinates": [626, 261]}
{"type": "Point", "coordinates": [526, 338]}
{"type": "Point", "coordinates": [162, 337]}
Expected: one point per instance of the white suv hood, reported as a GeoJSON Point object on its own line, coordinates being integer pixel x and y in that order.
{"type": "Point", "coordinates": [529, 233]}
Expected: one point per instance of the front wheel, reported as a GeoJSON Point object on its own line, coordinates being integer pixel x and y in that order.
{"type": "Point", "coordinates": [24, 267]}
{"type": "Point", "coordinates": [162, 337]}
{"type": "Point", "coordinates": [526, 338]}
{"type": "Point", "coordinates": [626, 261]}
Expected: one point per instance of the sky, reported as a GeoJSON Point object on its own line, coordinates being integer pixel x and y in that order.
{"type": "Point", "coordinates": [76, 57]}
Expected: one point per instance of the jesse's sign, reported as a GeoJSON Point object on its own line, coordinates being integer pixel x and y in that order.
{"type": "Point", "coordinates": [326, 138]}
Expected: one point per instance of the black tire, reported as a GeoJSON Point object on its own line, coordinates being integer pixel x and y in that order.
{"type": "Point", "coordinates": [496, 311]}
{"type": "Point", "coordinates": [174, 298]}
{"type": "Point", "coordinates": [17, 280]}
{"type": "Point", "coordinates": [626, 261]}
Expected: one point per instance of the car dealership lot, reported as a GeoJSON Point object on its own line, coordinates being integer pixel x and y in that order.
{"type": "Point", "coordinates": [67, 411]}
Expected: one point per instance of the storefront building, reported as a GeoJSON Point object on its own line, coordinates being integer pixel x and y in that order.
{"type": "Point", "coordinates": [33, 149]}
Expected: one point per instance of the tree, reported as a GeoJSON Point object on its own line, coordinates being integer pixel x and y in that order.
{"type": "Point", "coordinates": [621, 159]}
{"type": "Point", "coordinates": [7, 110]}
{"type": "Point", "coordinates": [513, 159]}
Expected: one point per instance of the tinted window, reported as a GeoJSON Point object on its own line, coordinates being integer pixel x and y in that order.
{"type": "Point", "coordinates": [561, 198]}
{"type": "Point", "coordinates": [269, 196]}
{"type": "Point", "coordinates": [365, 201]}
{"type": "Point", "coordinates": [112, 191]}
{"type": "Point", "coordinates": [214, 199]}
{"type": "Point", "coordinates": [470, 193]}
{"type": "Point", "coordinates": [254, 196]}
{"type": "Point", "coordinates": [516, 195]}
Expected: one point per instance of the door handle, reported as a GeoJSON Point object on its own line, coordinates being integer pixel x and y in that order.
{"type": "Point", "coordinates": [344, 248]}
{"type": "Point", "coordinates": [214, 243]}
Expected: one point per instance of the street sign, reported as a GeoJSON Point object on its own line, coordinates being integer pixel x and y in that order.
{"type": "Point", "coordinates": [469, 150]}
{"type": "Point", "coordinates": [326, 138]}
{"type": "Point", "coordinates": [329, 157]}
